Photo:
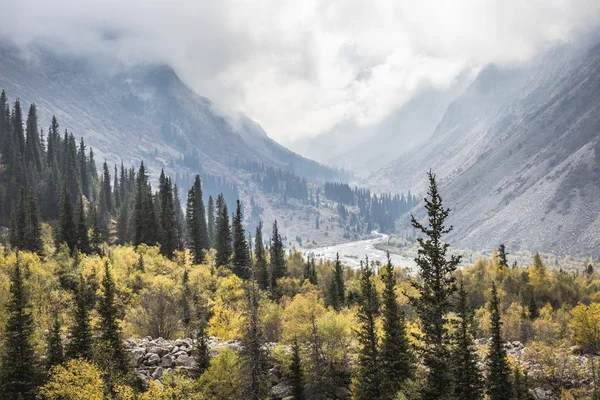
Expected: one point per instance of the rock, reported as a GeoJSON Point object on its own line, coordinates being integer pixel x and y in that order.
{"type": "Point", "coordinates": [153, 359]}
{"type": "Point", "coordinates": [136, 355]}
{"type": "Point", "coordinates": [274, 376]}
{"type": "Point", "coordinates": [158, 373]}
{"type": "Point", "coordinates": [167, 361]}
{"type": "Point", "coordinates": [175, 349]}
{"type": "Point", "coordinates": [342, 393]}
{"type": "Point", "coordinates": [281, 390]}
{"type": "Point", "coordinates": [160, 350]}
{"type": "Point", "coordinates": [184, 361]}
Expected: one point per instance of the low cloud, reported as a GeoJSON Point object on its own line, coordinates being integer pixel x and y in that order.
{"type": "Point", "coordinates": [300, 68]}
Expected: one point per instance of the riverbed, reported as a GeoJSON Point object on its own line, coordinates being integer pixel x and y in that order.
{"type": "Point", "coordinates": [352, 253]}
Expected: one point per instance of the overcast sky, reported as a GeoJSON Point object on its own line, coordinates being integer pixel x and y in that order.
{"type": "Point", "coordinates": [299, 67]}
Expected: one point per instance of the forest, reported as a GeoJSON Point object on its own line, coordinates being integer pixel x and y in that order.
{"type": "Point", "coordinates": [103, 278]}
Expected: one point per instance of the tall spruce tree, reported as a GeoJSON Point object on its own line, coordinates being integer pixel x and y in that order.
{"type": "Point", "coordinates": [80, 332]}
{"type": "Point", "coordinates": [240, 260]}
{"type": "Point", "coordinates": [145, 221]}
{"type": "Point", "coordinates": [18, 363]}
{"type": "Point", "coordinates": [397, 361]}
{"type": "Point", "coordinates": [310, 271]}
{"type": "Point", "coordinates": [83, 170]}
{"type": "Point", "coordinates": [502, 256]}
{"type": "Point", "coordinates": [499, 374]}
{"type": "Point", "coordinates": [168, 223]}
{"type": "Point", "coordinates": [67, 230]}
{"type": "Point", "coordinates": [368, 379]}
{"type": "Point", "coordinates": [223, 234]}
{"type": "Point", "coordinates": [337, 289]}
{"type": "Point", "coordinates": [83, 239]}
{"type": "Point", "coordinates": [54, 346]}
{"type": "Point", "coordinates": [111, 354]}
{"type": "Point", "coordinates": [262, 269]}
{"type": "Point", "coordinates": [436, 287]}
{"type": "Point", "coordinates": [34, 232]}
{"type": "Point", "coordinates": [256, 385]}
{"type": "Point", "coordinates": [277, 253]}
{"type": "Point", "coordinates": [468, 382]}
{"type": "Point", "coordinates": [211, 221]}
{"type": "Point", "coordinates": [199, 241]}
{"type": "Point", "coordinates": [297, 373]}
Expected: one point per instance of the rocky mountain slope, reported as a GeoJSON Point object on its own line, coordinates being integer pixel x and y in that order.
{"type": "Point", "coordinates": [515, 156]}
{"type": "Point", "coordinates": [141, 113]}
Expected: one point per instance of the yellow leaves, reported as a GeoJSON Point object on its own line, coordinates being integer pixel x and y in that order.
{"type": "Point", "coordinates": [76, 380]}
{"type": "Point", "coordinates": [221, 381]}
{"type": "Point", "coordinates": [585, 325]}
{"type": "Point", "coordinates": [226, 322]}
{"type": "Point", "coordinates": [301, 316]}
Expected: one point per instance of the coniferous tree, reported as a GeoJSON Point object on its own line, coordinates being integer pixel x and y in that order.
{"type": "Point", "coordinates": [67, 230]}
{"type": "Point", "coordinates": [468, 382]}
{"type": "Point", "coordinates": [71, 170]}
{"type": "Point", "coordinates": [18, 364]}
{"type": "Point", "coordinates": [83, 239]}
{"type": "Point", "coordinates": [83, 170]}
{"type": "Point", "coordinates": [498, 378]}
{"type": "Point", "coordinates": [96, 236]}
{"type": "Point", "coordinates": [254, 367]}
{"type": "Point", "coordinates": [261, 259]}
{"type": "Point", "coordinates": [310, 271]}
{"type": "Point", "coordinates": [202, 351]}
{"type": "Point", "coordinates": [367, 382]}
{"type": "Point", "coordinates": [33, 147]}
{"type": "Point", "coordinates": [337, 289]}
{"type": "Point", "coordinates": [106, 190]}
{"type": "Point", "coordinates": [519, 384]}
{"type": "Point", "coordinates": [296, 373]}
{"type": "Point", "coordinates": [179, 218]}
{"type": "Point", "coordinates": [111, 353]}
{"type": "Point", "coordinates": [277, 253]}
{"type": "Point", "coordinates": [145, 221]}
{"type": "Point", "coordinates": [54, 346]}
{"type": "Point", "coordinates": [502, 256]}
{"type": "Point", "coordinates": [397, 363]}
{"type": "Point", "coordinates": [436, 287]}
{"type": "Point", "coordinates": [168, 223]}
{"type": "Point", "coordinates": [80, 333]}
{"type": "Point", "coordinates": [241, 253]}
{"type": "Point", "coordinates": [198, 241]}
{"type": "Point", "coordinates": [211, 221]}
{"type": "Point", "coordinates": [116, 190]}
{"type": "Point", "coordinates": [223, 234]}
{"type": "Point", "coordinates": [34, 237]}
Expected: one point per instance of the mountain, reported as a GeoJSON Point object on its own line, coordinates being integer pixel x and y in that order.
{"type": "Point", "coordinates": [142, 113]}
{"type": "Point", "coordinates": [366, 149]}
{"type": "Point", "coordinates": [515, 156]}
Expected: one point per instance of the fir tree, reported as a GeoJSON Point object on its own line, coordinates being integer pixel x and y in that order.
{"type": "Point", "coordinates": [337, 290]}
{"type": "Point", "coordinates": [202, 351]}
{"type": "Point", "coordinates": [519, 384]}
{"type": "Point", "coordinates": [532, 307]}
{"type": "Point", "coordinates": [34, 236]}
{"type": "Point", "coordinates": [111, 353]}
{"type": "Point", "coordinates": [296, 373]}
{"type": "Point", "coordinates": [468, 382]}
{"type": "Point", "coordinates": [80, 333]}
{"type": "Point", "coordinates": [396, 359]}
{"type": "Point", "coordinates": [83, 239]}
{"type": "Point", "coordinates": [310, 271]}
{"type": "Point", "coordinates": [67, 230]}
{"type": "Point", "coordinates": [261, 259]}
{"type": "Point", "coordinates": [145, 221]}
{"type": "Point", "coordinates": [54, 346]}
{"type": "Point", "coordinates": [96, 237]}
{"type": "Point", "coordinates": [367, 382]}
{"type": "Point", "coordinates": [211, 222]}
{"type": "Point", "coordinates": [240, 260]}
{"type": "Point", "coordinates": [436, 287]}
{"type": "Point", "coordinates": [502, 254]}
{"type": "Point", "coordinates": [498, 378]}
{"type": "Point", "coordinates": [199, 241]}
{"type": "Point", "coordinates": [255, 372]}
{"type": "Point", "coordinates": [18, 364]}
{"type": "Point", "coordinates": [277, 253]}
{"type": "Point", "coordinates": [223, 234]}
{"type": "Point", "coordinates": [83, 170]}
{"type": "Point", "coordinates": [168, 222]}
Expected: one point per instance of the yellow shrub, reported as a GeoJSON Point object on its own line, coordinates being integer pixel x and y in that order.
{"type": "Point", "coordinates": [76, 380]}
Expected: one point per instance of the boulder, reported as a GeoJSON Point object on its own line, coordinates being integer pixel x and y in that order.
{"type": "Point", "coordinates": [281, 390]}
{"type": "Point", "coordinates": [167, 361]}
{"type": "Point", "coordinates": [153, 359]}
{"type": "Point", "coordinates": [160, 350]}
{"type": "Point", "coordinates": [342, 393]}
{"type": "Point", "coordinates": [136, 355]}
{"type": "Point", "coordinates": [184, 361]}
{"type": "Point", "coordinates": [274, 376]}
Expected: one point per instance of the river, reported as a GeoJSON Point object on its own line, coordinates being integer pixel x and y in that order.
{"type": "Point", "coordinates": [351, 253]}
